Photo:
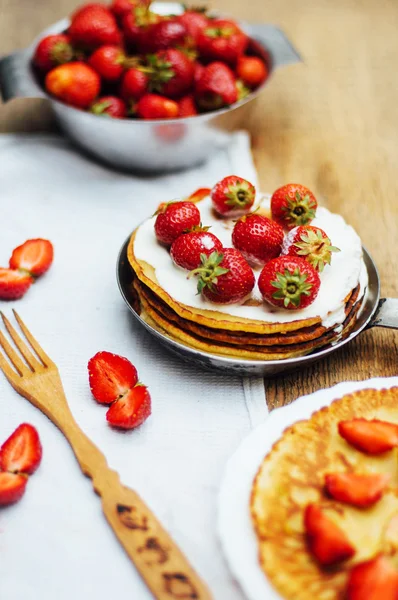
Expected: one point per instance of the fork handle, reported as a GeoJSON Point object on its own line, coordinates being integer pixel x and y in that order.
{"type": "Point", "coordinates": [160, 562]}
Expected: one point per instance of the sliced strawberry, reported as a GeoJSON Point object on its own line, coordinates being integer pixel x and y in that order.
{"type": "Point", "coordinates": [327, 542]}
{"type": "Point", "coordinates": [12, 488]}
{"type": "Point", "coordinates": [110, 376]}
{"type": "Point", "coordinates": [374, 579]}
{"type": "Point", "coordinates": [34, 256]}
{"type": "Point", "coordinates": [22, 451]}
{"type": "Point", "coordinates": [199, 194]}
{"type": "Point", "coordinates": [359, 490]}
{"type": "Point", "coordinates": [372, 437]}
{"type": "Point", "coordinates": [13, 284]}
{"type": "Point", "coordinates": [131, 410]}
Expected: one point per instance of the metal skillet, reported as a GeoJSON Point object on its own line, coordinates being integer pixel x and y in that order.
{"type": "Point", "coordinates": [376, 312]}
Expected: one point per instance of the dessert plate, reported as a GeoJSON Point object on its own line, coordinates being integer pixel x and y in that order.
{"type": "Point", "coordinates": [375, 312]}
{"type": "Point", "coordinates": [235, 529]}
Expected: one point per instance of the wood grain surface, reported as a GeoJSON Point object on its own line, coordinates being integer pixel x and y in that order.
{"type": "Point", "coordinates": [330, 123]}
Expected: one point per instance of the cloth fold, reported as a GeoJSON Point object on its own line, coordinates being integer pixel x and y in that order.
{"type": "Point", "coordinates": [55, 543]}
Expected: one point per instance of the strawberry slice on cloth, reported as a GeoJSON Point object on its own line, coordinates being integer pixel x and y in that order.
{"type": "Point", "coordinates": [110, 376]}
{"type": "Point", "coordinates": [12, 488]}
{"type": "Point", "coordinates": [13, 284]}
{"type": "Point", "coordinates": [131, 410]}
{"type": "Point", "coordinates": [34, 257]}
{"type": "Point", "coordinates": [22, 451]}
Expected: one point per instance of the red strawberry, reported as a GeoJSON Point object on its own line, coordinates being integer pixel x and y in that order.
{"type": "Point", "coordinates": [53, 50]}
{"type": "Point", "coordinates": [225, 277]}
{"type": "Point", "coordinates": [170, 72]}
{"type": "Point", "coordinates": [108, 61]}
{"type": "Point", "coordinates": [34, 256]}
{"type": "Point", "coordinates": [12, 488]}
{"type": "Point", "coordinates": [199, 70]}
{"type": "Point", "coordinates": [233, 196]}
{"type": "Point", "coordinates": [131, 410]}
{"type": "Point", "coordinates": [310, 243]}
{"type": "Point", "coordinates": [375, 579]}
{"type": "Point", "coordinates": [136, 24]}
{"type": "Point", "coordinates": [194, 21]}
{"type": "Point", "coordinates": [89, 7]}
{"type": "Point", "coordinates": [153, 106]}
{"type": "Point", "coordinates": [372, 437]}
{"type": "Point", "coordinates": [222, 40]}
{"type": "Point", "coordinates": [216, 87]}
{"type": "Point", "coordinates": [134, 85]}
{"type": "Point", "coordinates": [167, 33]}
{"type": "Point", "coordinates": [124, 7]}
{"type": "Point", "coordinates": [93, 27]}
{"type": "Point", "coordinates": [175, 218]}
{"type": "Point", "coordinates": [13, 284]}
{"type": "Point", "coordinates": [326, 541]}
{"type": "Point", "coordinates": [22, 451]}
{"type": "Point", "coordinates": [188, 249]}
{"type": "Point", "coordinates": [75, 83]}
{"type": "Point", "coordinates": [199, 194]}
{"type": "Point", "coordinates": [292, 205]}
{"type": "Point", "coordinates": [258, 238]}
{"type": "Point", "coordinates": [187, 107]}
{"type": "Point", "coordinates": [252, 71]}
{"type": "Point", "coordinates": [110, 106]}
{"type": "Point", "coordinates": [110, 376]}
{"type": "Point", "coordinates": [358, 490]}
{"type": "Point", "coordinates": [289, 282]}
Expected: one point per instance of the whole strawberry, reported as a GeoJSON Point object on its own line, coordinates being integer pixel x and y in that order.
{"type": "Point", "coordinates": [289, 282]}
{"type": "Point", "coordinates": [53, 50]}
{"type": "Point", "coordinates": [189, 248]}
{"type": "Point", "coordinates": [110, 106]}
{"type": "Point", "coordinates": [258, 238]}
{"type": "Point", "coordinates": [123, 7]}
{"type": "Point", "coordinates": [187, 107]}
{"type": "Point", "coordinates": [170, 73]}
{"type": "Point", "coordinates": [108, 61]}
{"type": "Point", "coordinates": [215, 87]}
{"type": "Point", "coordinates": [233, 196]}
{"type": "Point", "coordinates": [222, 40]}
{"type": "Point", "coordinates": [167, 33]}
{"type": "Point", "coordinates": [292, 205]}
{"type": "Point", "coordinates": [136, 24]}
{"type": "Point", "coordinates": [93, 27]}
{"type": "Point", "coordinates": [310, 243]}
{"type": "Point", "coordinates": [74, 83]}
{"type": "Point", "coordinates": [252, 71]}
{"type": "Point", "coordinates": [175, 218]}
{"type": "Point", "coordinates": [194, 21]}
{"type": "Point", "coordinates": [153, 106]}
{"type": "Point", "coordinates": [134, 85]}
{"type": "Point", "coordinates": [225, 277]}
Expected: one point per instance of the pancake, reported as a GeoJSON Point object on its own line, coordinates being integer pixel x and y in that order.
{"type": "Point", "coordinates": [292, 475]}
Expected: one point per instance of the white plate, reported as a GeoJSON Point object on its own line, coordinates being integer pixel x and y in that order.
{"type": "Point", "coordinates": [235, 529]}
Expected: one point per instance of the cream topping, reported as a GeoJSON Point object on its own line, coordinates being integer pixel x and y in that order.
{"type": "Point", "coordinates": [337, 280]}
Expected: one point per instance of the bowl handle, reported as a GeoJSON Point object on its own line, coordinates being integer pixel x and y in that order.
{"type": "Point", "coordinates": [386, 314]}
{"type": "Point", "coordinates": [276, 42]}
{"type": "Point", "coordinates": [16, 77]}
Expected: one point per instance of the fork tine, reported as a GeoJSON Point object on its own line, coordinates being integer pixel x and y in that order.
{"type": "Point", "coordinates": [46, 360]}
{"type": "Point", "coordinates": [7, 370]}
{"type": "Point", "coordinates": [22, 347]}
{"type": "Point", "coordinates": [12, 355]}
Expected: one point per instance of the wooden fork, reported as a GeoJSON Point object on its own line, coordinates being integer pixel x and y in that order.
{"type": "Point", "coordinates": [162, 565]}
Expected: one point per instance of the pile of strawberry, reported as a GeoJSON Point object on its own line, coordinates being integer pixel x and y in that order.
{"type": "Point", "coordinates": [290, 262]}
{"type": "Point", "coordinates": [127, 61]}
{"type": "Point", "coordinates": [376, 578]}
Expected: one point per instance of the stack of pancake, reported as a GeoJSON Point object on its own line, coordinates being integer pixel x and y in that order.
{"type": "Point", "coordinates": [214, 329]}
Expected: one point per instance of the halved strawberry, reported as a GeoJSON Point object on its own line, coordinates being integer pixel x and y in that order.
{"type": "Point", "coordinates": [372, 437]}
{"type": "Point", "coordinates": [34, 256]}
{"type": "Point", "coordinates": [356, 489]}
{"type": "Point", "coordinates": [110, 376]}
{"type": "Point", "coordinates": [12, 488]}
{"type": "Point", "coordinates": [374, 579]}
{"type": "Point", "coordinates": [13, 284]}
{"type": "Point", "coordinates": [327, 542]}
{"type": "Point", "coordinates": [131, 410]}
{"type": "Point", "coordinates": [22, 451]}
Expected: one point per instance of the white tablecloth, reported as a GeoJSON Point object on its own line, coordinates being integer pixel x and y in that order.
{"type": "Point", "coordinates": [55, 543]}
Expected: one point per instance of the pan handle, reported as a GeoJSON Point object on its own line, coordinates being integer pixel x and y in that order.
{"type": "Point", "coordinates": [16, 77]}
{"type": "Point", "coordinates": [386, 314]}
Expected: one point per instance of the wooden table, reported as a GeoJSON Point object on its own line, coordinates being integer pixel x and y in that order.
{"type": "Point", "coordinates": [330, 123]}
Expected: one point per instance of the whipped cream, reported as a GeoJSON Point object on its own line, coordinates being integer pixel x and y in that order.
{"type": "Point", "coordinates": [337, 280]}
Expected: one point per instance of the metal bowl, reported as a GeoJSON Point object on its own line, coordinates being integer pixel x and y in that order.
{"type": "Point", "coordinates": [375, 312]}
{"type": "Point", "coordinates": [158, 145]}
